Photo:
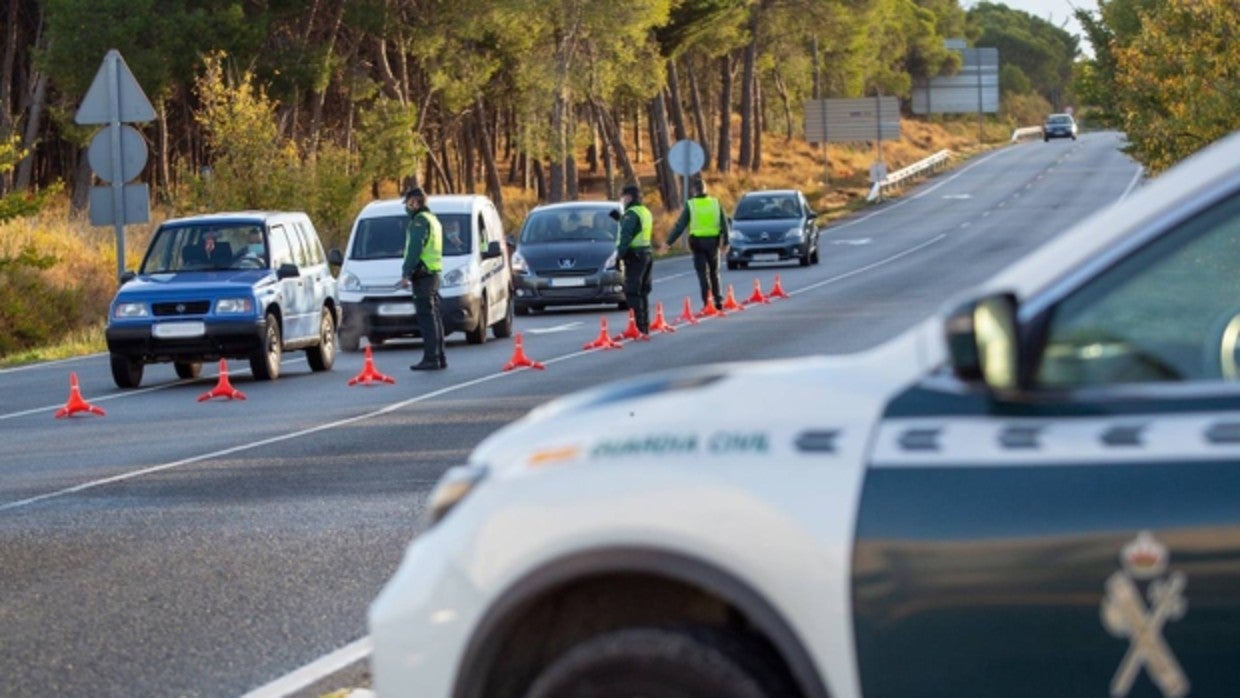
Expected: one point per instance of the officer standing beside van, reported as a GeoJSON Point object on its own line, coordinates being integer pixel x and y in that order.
{"type": "Point", "coordinates": [423, 263]}
{"type": "Point", "coordinates": [634, 248]}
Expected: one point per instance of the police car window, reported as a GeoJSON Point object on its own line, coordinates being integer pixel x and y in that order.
{"type": "Point", "coordinates": [1169, 312]}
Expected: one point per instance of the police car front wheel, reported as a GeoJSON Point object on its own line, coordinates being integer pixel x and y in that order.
{"type": "Point", "coordinates": [672, 663]}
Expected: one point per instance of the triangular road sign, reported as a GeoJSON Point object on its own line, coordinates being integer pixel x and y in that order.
{"type": "Point", "coordinates": [114, 95]}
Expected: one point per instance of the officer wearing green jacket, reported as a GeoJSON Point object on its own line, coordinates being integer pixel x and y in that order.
{"type": "Point", "coordinates": [634, 249]}
{"type": "Point", "coordinates": [707, 224]}
{"type": "Point", "coordinates": [423, 264]}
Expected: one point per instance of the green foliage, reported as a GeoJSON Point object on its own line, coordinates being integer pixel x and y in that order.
{"type": "Point", "coordinates": [1044, 53]}
{"type": "Point", "coordinates": [386, 140]}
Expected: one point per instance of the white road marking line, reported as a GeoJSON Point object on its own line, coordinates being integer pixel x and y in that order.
{"type": "Point", "coordinates": [311, 673]}
{"type": "Point", "coordinates": [45, 364]}
{"type": "Point", "coordinates": [555, 328]}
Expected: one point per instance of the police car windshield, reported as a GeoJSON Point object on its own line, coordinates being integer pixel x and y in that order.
{"type": "Point", "coordinates": [583, 224]}
{"type": "Point", "coordinates": [384, 237]}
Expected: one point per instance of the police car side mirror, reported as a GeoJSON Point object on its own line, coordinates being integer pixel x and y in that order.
{"type": "Point", "coordinates": [983, 343]}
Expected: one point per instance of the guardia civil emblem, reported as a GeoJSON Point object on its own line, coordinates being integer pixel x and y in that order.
{"type": "Point", "coordinates": [1125, 614]}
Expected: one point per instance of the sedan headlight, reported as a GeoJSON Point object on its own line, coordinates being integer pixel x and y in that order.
{"type": "Point", "coordinates": [234, 306]}
{"type": "Point", "coordinates": [350, 282]}
{"type": "Point", "coordinates": [130, 310]}
{"type": "Point", "coordinates": [795, 234]}
{"type": "Point", "coordinates": [452, 489]}
{"type": "Point", "coordinates": [519, 264]}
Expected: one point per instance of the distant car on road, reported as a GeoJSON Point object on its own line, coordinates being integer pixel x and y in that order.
{"type": "Point", "coordinates": [244, 285]}
{"type": "Point", "coordinates": [1059, 126]}
{"type": "Point", "coordinates": [1036, 493]}
{"type": "Point", "coordinates": [774, 225]}
{"type": "Point", "coordinates": [566, 255]}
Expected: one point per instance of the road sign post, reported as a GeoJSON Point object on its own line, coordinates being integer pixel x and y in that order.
{"type": "Point", "coordinates": [686, 158]}
{"type": "Point", "coordinates": [117, 153]}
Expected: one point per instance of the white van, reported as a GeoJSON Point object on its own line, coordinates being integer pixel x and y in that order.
{"type": "Point", "coordinates": [476, 284]}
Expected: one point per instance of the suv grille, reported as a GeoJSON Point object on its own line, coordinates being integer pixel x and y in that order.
{"type": "Point", "coordinates": [180, 308]}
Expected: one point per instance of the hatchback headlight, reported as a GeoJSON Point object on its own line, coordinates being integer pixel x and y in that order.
{"type": "Point", "coordinates": [130, 310]}
{"type": "Point", "coordinates": [234, 306]}
{"type": "Point", "coordinates": [452, 489]}
{"type": "Point", "coordinates": [612, 261]}
{"type": "Point", "coordinates": [737, 235]}
{"type": "Point", "coordinates": [794, 234]}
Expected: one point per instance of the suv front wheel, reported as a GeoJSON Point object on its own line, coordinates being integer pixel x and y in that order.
{"type": "Point", "coordinates": [126, 372]}
{"type": "Point", "coordinates": [265, 360]}
{"type": "Point", "coordinates": [323, 355]}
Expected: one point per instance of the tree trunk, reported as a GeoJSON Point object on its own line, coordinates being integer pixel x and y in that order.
{"type": "Point", "coordinates": [468, 166]}
{"type": "Point", "coordinates": [637, 134]}
{"type": "Point", "coordinates": [675, 109]}
{"type": "Point", "coordinates": [316, 119]}
{"type": "Point", "coordinates": [540, 182]}
{"type": "Point", "coordinates": [487, 153]}
{"type": "Point", "coordinates": [611, 133]}
{"type": "Point", "coordinates": [782, 88]}
{"type": "Point", "coordinates": [659, 146]}
{"type": "Point", "coordinates": [558, 150]}
{"type": "Point", "coordinates": [759, 122]}
{"type": "Point", "coordinates": [8, 72]}
{"type": "Point", "coordinates": [724, 156]}
{"type": "Point", "coordinates": [25, 168]}
{"type": "Point", "coordinates": [748, 82]}
{"type": "Point", "coordinates": [82, 179]}
{"type": "Point", "coordinates": [699, 119]}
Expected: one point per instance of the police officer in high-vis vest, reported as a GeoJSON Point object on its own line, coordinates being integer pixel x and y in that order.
{"type": "Point", "coordinates": [707, 224]}
{"type": "Point", "coordinates": [634, 249]}
{"type": "Point", "coordinates": [423, 263]}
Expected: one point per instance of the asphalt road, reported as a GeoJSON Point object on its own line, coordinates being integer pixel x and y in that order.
{"type": "Point", "coordinates": [182, 548]}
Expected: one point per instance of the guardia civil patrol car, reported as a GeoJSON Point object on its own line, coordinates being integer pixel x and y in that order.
{"type": "Point", "coordinates": [1037, 494]}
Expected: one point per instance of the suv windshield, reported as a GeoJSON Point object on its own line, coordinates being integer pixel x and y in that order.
{"type": "Point", "coordinates": [384, 237]}
{"type": "Point", "coordinates": [571, 224]}
{"type": "Point", "coordinates": [766, 207]}
{"type": "Point", "coordinates": [201, 247]}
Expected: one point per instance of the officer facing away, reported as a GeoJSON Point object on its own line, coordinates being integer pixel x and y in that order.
{"type": "Point", "coordinates": [703, 216]}
{"type": "Point", "coordinates": [423, 263]}
{"type": "Point", "coordinates": [634, 248]}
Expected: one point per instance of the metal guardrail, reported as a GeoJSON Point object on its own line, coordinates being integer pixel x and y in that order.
{"type": "Point", "coordinates": [930, 164]}
{"type": "Point", "coordinates": [1026, 132]}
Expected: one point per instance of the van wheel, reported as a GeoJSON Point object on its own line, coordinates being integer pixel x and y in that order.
{"type": "Point", "coordinates": [322, 356]}
{"type": "Point", "coordinates": [126, 372]}
{"type": "Point", "coordinates": [478, 335]}
{"type": "Point", "coordinates": [265, 361]}
{"type": "Point", "coordinates": [503, 328]}
{"type": "Point", "coordinates": [188, 369]}
{"type": "Point", "coordinates": [674, 663]}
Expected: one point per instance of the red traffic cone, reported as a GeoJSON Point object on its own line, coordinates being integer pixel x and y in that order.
{"type": "Point", "coordinates": [777, 291]}
{"type": "Point", "coordinates": [369, 375]}
{"type": "Point", "coordinates": [75, 403]}
{"type": "Point", "coordinates": [756, 296]}
{"type": "Point", "coordinates": [686, 315]}
{"type": "Point", "coordinates": [709, 310]}
{"type": "Point", "coordinates": [519, 358]}
{"type": "Point", "coordinates": [223, 388]}
{"type": "Point", "coordinates": [631, 332]}
{"type": "Point", "coordinates": [604, 340]}
{"type": "Point", "coordinates": [660, 324]}
{"type": "Point", "coordinates": [730, 303]}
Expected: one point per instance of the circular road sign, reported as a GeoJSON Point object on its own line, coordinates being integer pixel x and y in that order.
{"type": "Point", "coordinates": [133, 154]}
{"type": "Point", "coordinates": [686, 157]}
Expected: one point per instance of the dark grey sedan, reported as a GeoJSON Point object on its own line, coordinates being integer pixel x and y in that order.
{"type": "Point", "coordinates": [566, 255]}
{"type": "Point", "coordinates": [775, 225]}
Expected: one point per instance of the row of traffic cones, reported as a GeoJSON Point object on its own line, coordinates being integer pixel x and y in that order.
{"type": "Point", "coordinates": [369, 375]}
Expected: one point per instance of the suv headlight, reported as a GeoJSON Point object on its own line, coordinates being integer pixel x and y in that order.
{"type": "Point", "coordinates": [130, 310]}
{"type": "Point", "coordinates": [234, 306]}
{"type": "Point", "coordinates": [452, 489]}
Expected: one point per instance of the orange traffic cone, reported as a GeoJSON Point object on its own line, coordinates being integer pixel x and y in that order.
{"type": "Point", "coordinates": [604, 340]}
{"type": "Point", "coordinates": [777, 291]}
{"type": "Point", "coordinates": [223, 388]}
{"type": "Point", "coordinates": [631, 332]}
{"type": "Point", "coordinates": [660, 324]}
{"type": "Point", "coordinates": [756, 296]}
{"type": "Point", "coordinates": [369, 374]}
{"type": "Point", "coordinates": [709, 310]}
{"type": "Point", "coordinates": [686, 315]}
{"type": "Point", "coordinates": [75, 403]}
{"type": "Point", "coordinates": [730, 303]}
{"type": "Point", "coordinates": [519, 359]}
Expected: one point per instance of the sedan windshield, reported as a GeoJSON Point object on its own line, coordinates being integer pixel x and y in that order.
{"type": "Point", "coordinates": [592, 224]}
{"type": "Point", "coordinates": [751, 208]}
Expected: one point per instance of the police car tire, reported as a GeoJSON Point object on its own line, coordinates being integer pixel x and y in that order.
{"type": "Point", "coordinates": [659, 662]}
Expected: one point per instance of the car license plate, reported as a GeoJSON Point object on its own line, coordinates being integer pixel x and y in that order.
{"type": "Point", "coordinates": [390, 309]}
{"type": "Point", "coordinates": [766, 257]}
{"type": "Point", "coordinates": [176, 330]}
{"type": "Point", "coordinates": [569, 281]}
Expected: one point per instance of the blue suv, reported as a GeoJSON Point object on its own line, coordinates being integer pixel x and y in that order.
{"type": "Point", "coordinates": [244, 285]}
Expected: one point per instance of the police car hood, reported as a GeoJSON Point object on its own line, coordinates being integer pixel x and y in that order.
{"type": "Point", "coordinates": [811, 397]}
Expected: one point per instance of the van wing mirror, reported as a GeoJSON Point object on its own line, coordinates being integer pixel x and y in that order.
{"type": "Point", "coordinates": [983, 342]}
{"type": "Point", "coordinates": [335, 258]}
{"type": "Point", "coordinates": [493, 250]}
